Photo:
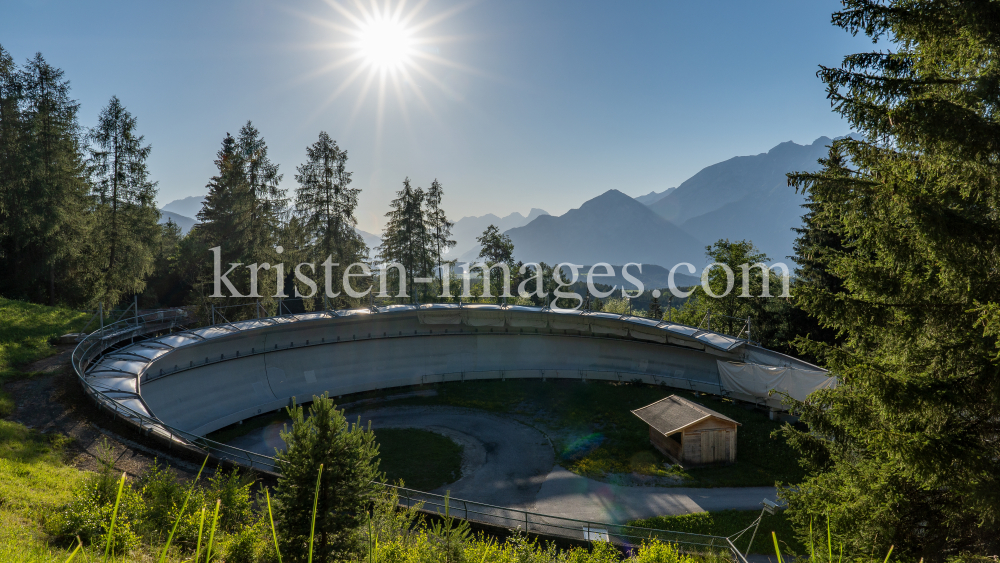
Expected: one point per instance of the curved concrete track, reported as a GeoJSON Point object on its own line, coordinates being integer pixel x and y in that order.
{"type": "Point", "coordinates": [200, 380]}
{"type": "Point", "coordinates": [508, 463]}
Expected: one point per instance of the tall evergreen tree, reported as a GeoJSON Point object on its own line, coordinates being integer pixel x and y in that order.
{"type": "Point", "coordinates": [13, 170]}
{"type": "Point", "coordinates": [405, 238]}
{"type": "Point", "coordinates": [243, 214]}
{"type": "Point", "coordinates": [44, 188]}
{"type": "Point", "coordinates": [126, 228]}
{"type": "Point", "coordinates": [326, 203]}
{"type": "Point", "coordinates": [439, 227]}
{"type": "Point", "coordinates": [905, 450]}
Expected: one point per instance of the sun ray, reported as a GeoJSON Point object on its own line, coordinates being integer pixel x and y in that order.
{"type": "Point", "coordinates": [394, 55]}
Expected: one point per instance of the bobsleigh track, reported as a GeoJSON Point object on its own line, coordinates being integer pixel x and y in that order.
{"type": "Point", "coordinates": [179, 384]}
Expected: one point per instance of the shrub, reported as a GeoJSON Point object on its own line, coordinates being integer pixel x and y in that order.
{"type": "Point", "coordinates": [347, 454]}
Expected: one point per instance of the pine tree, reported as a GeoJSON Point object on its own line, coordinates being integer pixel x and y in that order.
{"type": "Point", "coordinates": [44, 200]}
{"type": "Point", "coordinates": [327, 204]}
{"type": "Point", "coordinates": [439, 227]}
{"type": "Point", "coordinates": [126, 228]}
{"type": "Point", "coordinates": [349, 455]}
{"type": "Point", "coordinates": [13, 171]}
{"type": "Point", "coordinates": [243, 214]}
{"type": "Point", "coordinates": [405, 238]}
{"type": "Point", "coordinates": [904, 452]}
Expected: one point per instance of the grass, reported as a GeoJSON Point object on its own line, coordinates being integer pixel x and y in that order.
{"type": "Point", "coordinates": [34, 482]}
{"type": "Point", "coordinates": [596, 434]}
{"type": "Point", "coordinates": [25, 330]}
{"type": "Point", "coordinates": [729, 522]}
{"type": "Point", "coordinates": [424, 460]}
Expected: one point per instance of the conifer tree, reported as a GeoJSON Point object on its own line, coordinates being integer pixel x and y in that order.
{"type": "Point", "coordinates": [326, 203]}
{"type": "Point", "coordinates": [44, 193]}
{"type": "Point", "coordinates": [439, 226]}
{"type": "Point", "coordinates": [405, 238]}
{"type": "Point", "coordinates": [349, 455]}
{"type": "Point", "coordinates": [904, 452]}
{"type": "Point", "coordinates": [126, 229]}
{"type": "Point", "coordinates": [243, 215]}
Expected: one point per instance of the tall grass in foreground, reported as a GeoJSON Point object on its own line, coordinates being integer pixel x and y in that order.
{"type": "Point", "coordinates": [828, 557]}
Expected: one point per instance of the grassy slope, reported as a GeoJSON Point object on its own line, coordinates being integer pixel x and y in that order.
{"type": "Point", "coordinates": [34, 481]}
{"type": "Point", "coordinates": [25, 329]}
{"type": "Point", "coordinates": [596, 433]}
{"type": "Point", "coordinates": [729, 522]}
{"type": "Point", "coordinates": [422, 459]}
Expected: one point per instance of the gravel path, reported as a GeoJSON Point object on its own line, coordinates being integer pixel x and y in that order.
{"type": "Point", "coordinates": [508, 463]}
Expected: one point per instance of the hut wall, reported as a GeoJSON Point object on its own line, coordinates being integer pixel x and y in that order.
{"type": "Point", "coordinates": [668, 446]}
{"type": "Point", "coordinates": [711, 441]}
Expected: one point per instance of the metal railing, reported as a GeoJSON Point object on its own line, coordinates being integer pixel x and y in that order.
{"type": "Point", "coordinates": [97, 343]}
{"type": "Point", "coordinates": [561, 527]}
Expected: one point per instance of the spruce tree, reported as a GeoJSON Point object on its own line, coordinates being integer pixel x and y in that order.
{"type": "Point", "coordinates": [904, 452]}
{"type": "Point", "coordinates": [439, 227]}
{"type": "Point", "coordinates": [406, 239]}
{"type": "Point", "coordinates": [349, 455]}
{"type": "Point", "coordinates": [45, 186]}
{"type": "Point", "coordinates": [326, 203]}
{"type": "Point", "coordinates": [126, 229]}
{"type": "Point", "coordinates": [243, 214]}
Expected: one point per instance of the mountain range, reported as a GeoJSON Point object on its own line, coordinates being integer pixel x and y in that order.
{"type": "Point", "coordinates": [742, 198]}
{"type": "Point", "coordinates": [467, 229]}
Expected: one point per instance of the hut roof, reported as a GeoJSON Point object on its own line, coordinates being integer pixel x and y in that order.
{"type": "Point", "coordinates": [674, 413]}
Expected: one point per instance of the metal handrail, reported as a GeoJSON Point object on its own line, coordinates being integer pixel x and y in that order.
{"type": "Point", "coordinates": [95, 344]}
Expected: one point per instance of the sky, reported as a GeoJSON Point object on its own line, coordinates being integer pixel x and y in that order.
{"type": "Point", "coordinates": [510, 104]}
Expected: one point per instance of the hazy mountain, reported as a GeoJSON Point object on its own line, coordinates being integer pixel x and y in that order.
{"type": "Point", "coordinates": [613, 228]}
{"type": "Point", "coordinates": [185, 223]}
{"type": "Point", "coordinates": [371, 240]}
{"type": "Point", "coordinates": [188, 207]}
{"type": "Point", "coordinates": [653, 197]}
{"type": "Point", "coordinates": [745, 197]}
{"type": "Point", "coordinates": [652, 277]}
{"type": "Point", "coordinates": [467, 229]}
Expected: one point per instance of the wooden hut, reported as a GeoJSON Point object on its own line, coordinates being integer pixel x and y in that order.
{"type": "Point", "coordinates": [688, 433]}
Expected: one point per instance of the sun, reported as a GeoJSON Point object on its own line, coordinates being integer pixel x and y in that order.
{"type": "Point", "coordinates": [386, 44]}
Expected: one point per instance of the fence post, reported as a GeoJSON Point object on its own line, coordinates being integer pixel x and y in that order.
{"type": "Point", "coordinates": [101, 312]}
{"type": "Point", "coordinates": [213, 314]}
{"type": "Point", "coordinates": [135, 307]}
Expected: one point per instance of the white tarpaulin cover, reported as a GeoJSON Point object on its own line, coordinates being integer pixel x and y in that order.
{"type": "Point", "coordinates": [754, 381]}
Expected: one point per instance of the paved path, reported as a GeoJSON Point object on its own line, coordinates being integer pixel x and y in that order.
{"type": "Point", "coordinates": [508, 463]}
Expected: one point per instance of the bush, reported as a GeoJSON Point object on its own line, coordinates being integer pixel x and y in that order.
{"type": "Point", "coordinates": [89, 514]}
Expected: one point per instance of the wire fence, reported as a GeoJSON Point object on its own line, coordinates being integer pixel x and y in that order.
{"type": "Point", "coordinates": [138, 327]}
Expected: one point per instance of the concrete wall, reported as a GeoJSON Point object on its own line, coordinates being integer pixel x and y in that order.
{"type": "Point", "coordinates": [206, 385]}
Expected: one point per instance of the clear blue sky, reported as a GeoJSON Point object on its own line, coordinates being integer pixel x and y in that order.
{"type": "Point", "coordinates": [519, 104]}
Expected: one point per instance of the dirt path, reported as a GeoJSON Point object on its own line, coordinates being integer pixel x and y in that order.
{"type": "Point", "coordinates": [52, 401]}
